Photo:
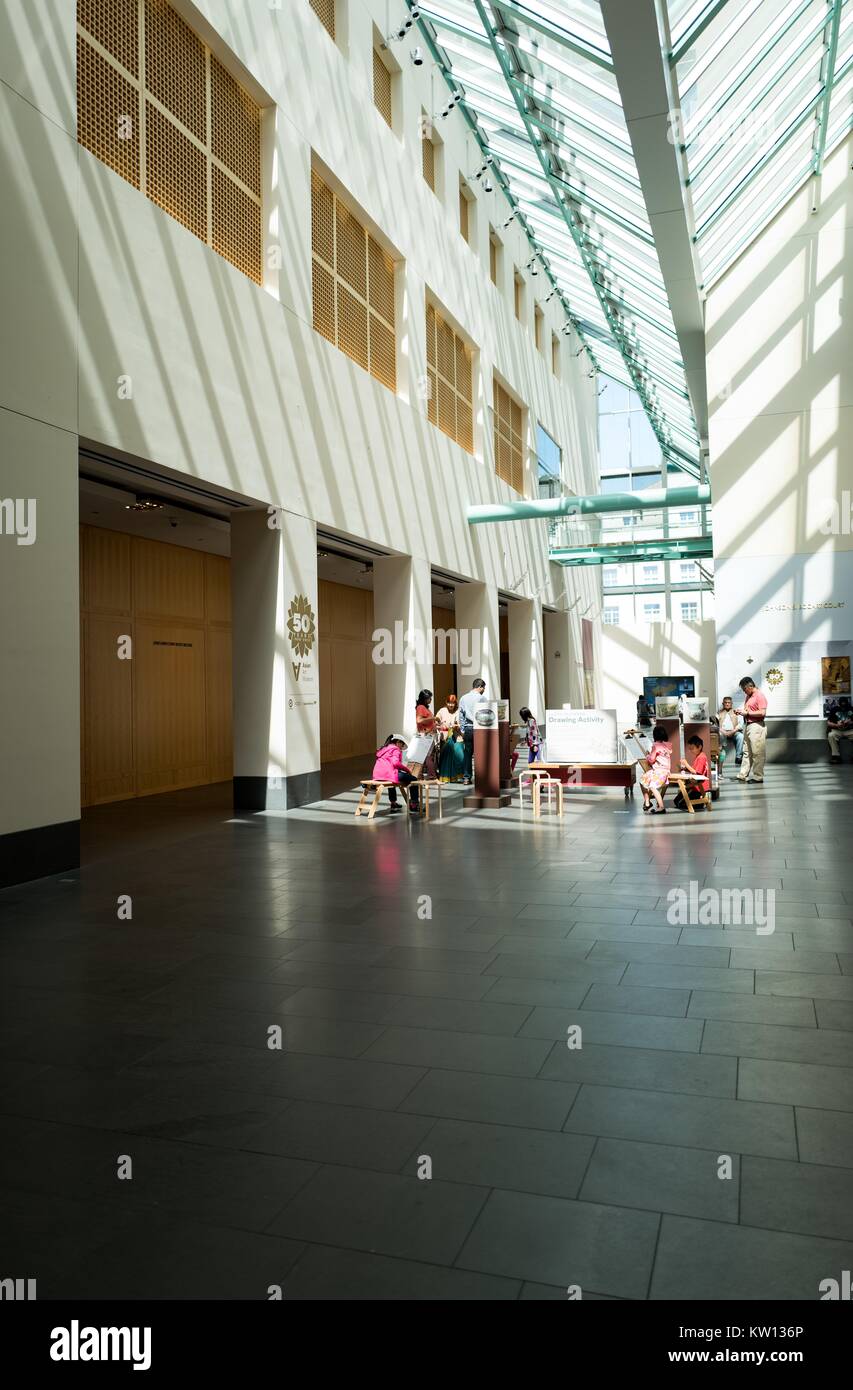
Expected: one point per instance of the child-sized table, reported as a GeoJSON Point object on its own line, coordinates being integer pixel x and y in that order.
{"type": "Point", "coordinates": [591, 774]}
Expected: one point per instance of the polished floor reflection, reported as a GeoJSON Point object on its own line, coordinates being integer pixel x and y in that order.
{"type": "Point", "coordinates": [433, 1125]}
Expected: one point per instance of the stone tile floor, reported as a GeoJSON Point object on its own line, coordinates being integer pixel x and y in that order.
{"type": "Point", "coordinates": [434, 1034]}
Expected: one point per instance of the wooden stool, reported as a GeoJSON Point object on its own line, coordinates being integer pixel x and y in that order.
{"type": "Point", "coordinates": [682, 785]}
{"type": "Point", "coordinates": [533, 775]}
{"type": "Point", "coordinates": [425, 785]}
{"type": "Point", "coordinates": [377, 788]}
{"type": "Point", "coordinates": [547, 783]}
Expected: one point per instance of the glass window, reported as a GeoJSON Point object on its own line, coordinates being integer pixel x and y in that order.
{"type": "Point", "coordinates": [690, 612]}
{"type": "Point", "coordinates": [609, 575]}
{"type": "Point", "coordinates": [611, 617]}
{"type": "Point", "coordinates": [651, 611]}
{"type": "Point", "coordinates": [549, 457]}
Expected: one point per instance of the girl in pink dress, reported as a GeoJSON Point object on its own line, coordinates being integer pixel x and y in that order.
{"type": "Point", "coordinates": [652, 782]}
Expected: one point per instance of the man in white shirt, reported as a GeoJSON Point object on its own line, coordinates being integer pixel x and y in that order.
{"type": "Point", "coordinates": [476, 695]}
{"type": "Point", "coordinates": [731, 731]}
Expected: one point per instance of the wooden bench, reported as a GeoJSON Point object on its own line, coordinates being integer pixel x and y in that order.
{"type": "Point", "coordinates": [424, 784]}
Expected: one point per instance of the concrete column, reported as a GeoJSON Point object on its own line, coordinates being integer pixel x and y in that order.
{"type": "Point", "coordinates": [40, 635]}
{"type": "Point", "coordinates": [526, 664]}
{"type": "Point", "coordinates": [479, 640]}
{"type": "Point", "coordinates": [275, 660]}
{"type": "Point", "coordinates": [402, 620]}
{"type": "Point", "coordinates": [557, 641]}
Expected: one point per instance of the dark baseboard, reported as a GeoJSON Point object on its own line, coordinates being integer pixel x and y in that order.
{"type": "Point", "coordinates": [276, 793]}
{"type": "Point", "coordinates": [29, 854]}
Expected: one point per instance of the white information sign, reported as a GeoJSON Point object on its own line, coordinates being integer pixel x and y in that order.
{"type": "Point", "coordinates": [582, 736]}
{"type": "Point", "coordinates": [793, 688]}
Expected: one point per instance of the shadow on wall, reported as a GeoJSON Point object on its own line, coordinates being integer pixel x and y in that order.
{"type": "Point", "coordinates": [655, 649]}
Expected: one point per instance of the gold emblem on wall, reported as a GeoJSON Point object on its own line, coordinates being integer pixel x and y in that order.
{"type": "Point", "coordinates": [301, 626]}
{"type": "Point", "coordinates": [774, 677]}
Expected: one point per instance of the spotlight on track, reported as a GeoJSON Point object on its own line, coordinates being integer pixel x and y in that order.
{"type": "Point", "coordinates": [404, 26]}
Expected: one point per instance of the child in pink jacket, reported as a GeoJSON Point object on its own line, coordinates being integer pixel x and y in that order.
{"type": "Point", "coordinates": [388, 767]}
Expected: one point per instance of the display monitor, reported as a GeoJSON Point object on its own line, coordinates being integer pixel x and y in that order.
{"type": "Point", "coordinates": [669, 686]}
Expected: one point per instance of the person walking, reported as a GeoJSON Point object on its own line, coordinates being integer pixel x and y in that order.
{"type": "Point", "coordinates": [467, 705]}
{"type": "Point", "coordinates": [731, 733]}
{"type": "Point", "coordinates": [755, 735]}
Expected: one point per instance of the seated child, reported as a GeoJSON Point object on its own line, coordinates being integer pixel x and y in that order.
{"type": "Point", "coordinates": [655, 779]}
{"type": "Point", "coordinates": [388, 767]}
{"type": "Point", "coordinates": [695, 790]}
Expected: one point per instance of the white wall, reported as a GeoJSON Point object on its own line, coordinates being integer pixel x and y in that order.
{"type": "Point", "coordinates": [654, 649]}
{"type": "Point", "coordinates": [780, 384]}
{"type": "Point", "coordinates": [230, 382]}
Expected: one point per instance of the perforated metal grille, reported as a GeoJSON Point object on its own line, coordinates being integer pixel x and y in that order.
{"type": "Point", "coordinates": [509, 451]}
{"type": "Point", "coordinates": [107, 113]}
{"type": "Point", "coordinates": [449, 371]}
{"type": "Point", "coordinates": [353, 286]}
{"type": "Point", "coordinates": [205, 172]}
{"type": "Point", "coordinates": [428, 149]}
{"type": "Point", "coordinates": [235, 136]}
{"type": "Point", "coordinates": [176, 172]}
{"type": "Point", "coordinates": [325, 12]}
{"type": "Point", "coordinates": [236, 229]}
{"type": "Point", "coordinates": [114, 24]}
{"type": "Point", "coordinates": [175, 66]}
{"type": "Point", "coordinates": [382, 88]}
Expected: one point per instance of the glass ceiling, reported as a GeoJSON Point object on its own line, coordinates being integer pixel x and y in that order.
{"type": "Point", "coordinates": [766, 90]}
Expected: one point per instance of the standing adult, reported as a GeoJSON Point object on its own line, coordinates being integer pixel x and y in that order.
{"type": "Point", "coordinates": [753, 713]}
{"type": "Point", "coordinates": [425, 723]}
{"type": "Point", "coordinates": [448, 716]}
{"type": "Point", "coordinates": [731, 732]}
{"type": "Point", "coordinates": [839, 725]}
{"type": "Point", "coordinates": [467, 705]}
{"type": "Point", "coordinates": [644, 713]}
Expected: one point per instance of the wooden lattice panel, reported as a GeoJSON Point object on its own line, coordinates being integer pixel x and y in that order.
{"type": "Point", "coordinates": [107, 113]}
{"type": "Point", "coordinates": [175, 66]}
{"type": "Point", "coordinates": [322, 220]}
{"type": "Point", "coordinates": [464, 425]}
{"type": "Point", "coordinates": [446, 408]}
{"type": "Point", "coordinates": [463, 370]}
{"type": "Point", "coordinates": [350, 250]}
{"type": "Point", "coordinates": [449, 374]}
{"type": "Point", "coordinates": [352, 327]}
{"type": "Point", "coordinates": [323, 293]}
{"type": "Point", "coordinates": [509, 454]}
{"type": "Point", "coordinates": [432, 402]}
{"type": "Point", "coordinates": [382, 89]}
{"type": "Point", "coordinates": [235, 135]}
{"type": "Point", "coordinates": [380, 281]}
{"type": "Point", "coordinates": [463, 215]}
{"type": "Point", "coordinates": [184, 152]}
{"type": "Point", "coordinates": [428, 149]}
{"type": "Point", "coordinates": [236, 226]}
{"type": "Point", "coordinates": [176, 172]}
{"type": "Point", "coordinates": [430, 335]}
{"type": "Point", "coordinates": [352, 286]}
{"type": "Point", "coordinates": [115, 26]}
{"type": "Point", "coordinates": [383, 353]}
{"type": "Point", "coordinates": [325, 12]}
